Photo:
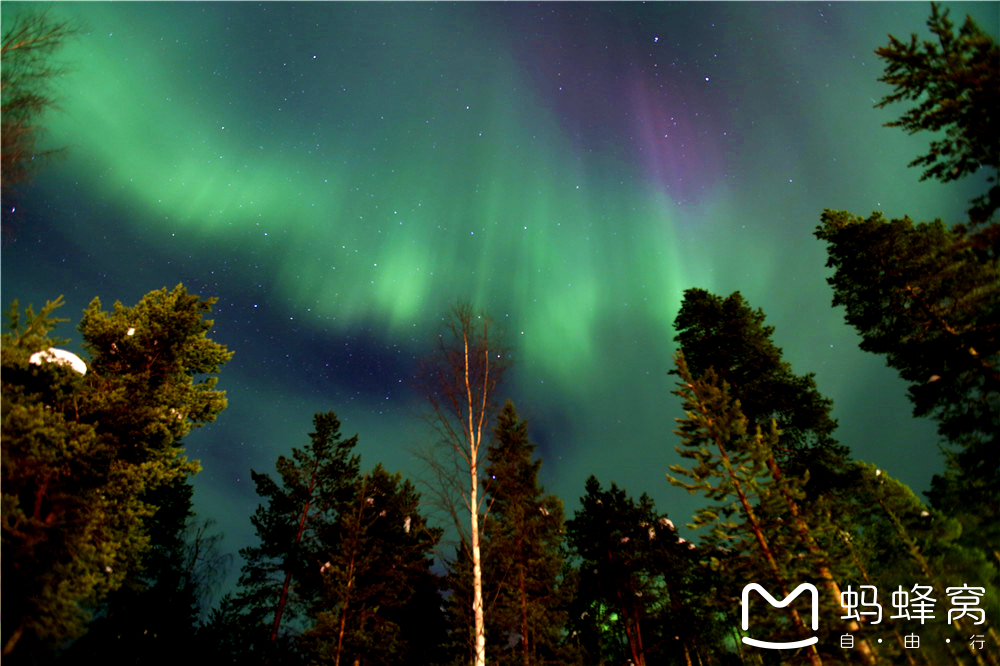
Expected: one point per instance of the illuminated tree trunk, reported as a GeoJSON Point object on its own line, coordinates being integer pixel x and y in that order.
{"type": "Point", "coordinates": [303, 520]}
{"type": "Point", "coordinates": [829, 582]}
{"type": "Point", "coordinates": [762, 542]}
{"type": "Point", "coordinates": [350, 572]}
{"type": "Point", "coordinates": [475, 439]}
{"type": "Point", "coordinates": [714, 418]}
{"type": "Point", "coordinates": [461, 381]}
{"type": "Point", "coordinates": [477, 572]}
{"type": "Point", "coordinates": [687, 654]}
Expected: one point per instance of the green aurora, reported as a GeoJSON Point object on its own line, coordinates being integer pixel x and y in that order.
{"type": "Point", "coordinates": [338, 174]}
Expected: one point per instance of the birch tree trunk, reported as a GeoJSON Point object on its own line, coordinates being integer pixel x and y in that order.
{"type": "Point", "coordinates": [460, 383]}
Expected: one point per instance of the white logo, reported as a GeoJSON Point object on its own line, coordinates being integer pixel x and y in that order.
{"type": "Point", "coordinates": [768, 645]}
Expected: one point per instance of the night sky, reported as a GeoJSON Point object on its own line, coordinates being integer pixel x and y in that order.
{"type": "Point", "coordinates": [339, 174]}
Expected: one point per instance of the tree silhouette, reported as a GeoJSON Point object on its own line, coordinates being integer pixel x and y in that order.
{"type": "Point", "coordinates": [523, 538]}
{"type": "Point", "coordinates": [282, 575]}
{"type": "Point", "coordinates": [373, 606]}
{"type": "Point", "coordinates": [956, 84]}
{"type": "Point", "coordinates": [922, 296]}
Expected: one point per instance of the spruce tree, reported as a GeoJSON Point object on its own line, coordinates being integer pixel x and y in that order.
{"type": "Point", "coordinates": [630, 602]}
{"type": "Point", "coordinates": [522, 533]}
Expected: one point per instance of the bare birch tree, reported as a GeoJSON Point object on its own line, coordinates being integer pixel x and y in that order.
{"type": "Point", "coordinates": [460, 380]}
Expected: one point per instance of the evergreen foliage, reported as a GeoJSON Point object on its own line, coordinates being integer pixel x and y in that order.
{"type": "Point", "coordinates": [522, 533]}
{"type": "Point", "coordinates": [342, 570]}
{"type": "Point", "coordinates": [227, 635]}
{"type": "Point", "coordinates": [728, 336]}
{"type": "Point", "coordinates": [280, 582]}
{"type": "Point", "coordinates": [777, 538]}
{"type": "Point", "coordinates": [102, 558]}
{"type": "Point", "coordinates": [631, 602]}
{"type": "Point", "coordinates": [58, 550]}
{"type": "Point", "coordinates": [153, 618]}
{"type": "Point", "coordinates": [729, 466]}
{"type": "Point", "coordinates": [899, 542]}
{"type": "Point", "coordinates": [956, 85]}
{"type": "Point", "coordinates": [84, 455]}
{"type": "Point", "coordinates": [378, 603]}
{"type": "Point", "coordinates": [927, 296]}
{"type": "Point", "coordinates": [922, 296]}
{"type": "Point", "coordinates": [461, 641]}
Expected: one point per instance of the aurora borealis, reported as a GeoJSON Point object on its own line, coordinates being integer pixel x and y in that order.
{"type": "Point", "coordinates": [338, 174]}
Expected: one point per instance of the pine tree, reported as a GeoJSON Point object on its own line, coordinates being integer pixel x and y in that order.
{"type": "Point", "coordinates": [728, 336]}
{"type": "Point", "coordinates": [522, 535]}
{"type": "Point", "coordinates": [152, 368]}
{"type": "Point", "coordinates": [956, 84]}
{"type": "Point", "coordinates": [83, 454]}
{"type": "Point", "coordinates": [805, 467]}
{"type": "Point", "coordinates": [922, 295]}
{"type": "Point", "coordinates": [59, 550]}
{"type": "Point", "coordinates": [766, 520]}
{"type": "Point", "coordinates": [281, 576]}
{"type": "Point", "coordinates": [374, 604]}
{"type": "Point", "coordinates": [729, 465]}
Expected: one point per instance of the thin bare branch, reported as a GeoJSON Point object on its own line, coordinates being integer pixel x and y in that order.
{"type": "Point", "coordinates": [460, 381]}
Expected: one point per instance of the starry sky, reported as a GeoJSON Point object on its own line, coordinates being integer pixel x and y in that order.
{"type": "Point", "coordinates": [339, 174]}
